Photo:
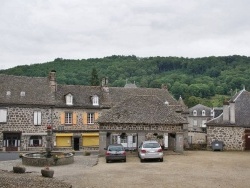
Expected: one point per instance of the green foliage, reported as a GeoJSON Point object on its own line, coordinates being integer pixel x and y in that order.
{"type": "Point", "coordinates": [205, 80]}
{"type": "Point", "coordinates": [94, 78]}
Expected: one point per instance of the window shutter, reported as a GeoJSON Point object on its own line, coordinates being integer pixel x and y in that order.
{"type": "Point", "coordinates": [74, 118]}
{"type": "Point", "coordinates": [62, 118]}
{"type": "Point", "coordinates": [96, 116]}
{"type": "Point", "coordinates": [84, 117]}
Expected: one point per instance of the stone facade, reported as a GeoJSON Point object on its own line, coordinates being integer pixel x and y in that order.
{"type": "Point", "coordinates": [232, 137]}
{"type": "Point", "coordinates": [21, 120]}
{"type": "Point", "coordinates": [140, 127]}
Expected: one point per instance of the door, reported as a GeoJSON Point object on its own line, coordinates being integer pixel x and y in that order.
{"type": "Point", "coordinates": [12, 141]}
{"type": "Point", "coordinates": [247, 140]}
{"type": "Point", "coordinates": [76, 144]}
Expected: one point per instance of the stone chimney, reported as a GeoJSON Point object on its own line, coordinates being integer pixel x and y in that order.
{"type": "Point", "coordinates": [104, 81]}
{"type": "Point", "coordinates": [52, 80]}
{"type": "Point", "coordinates": [225, 111]}
{"type": "Point", "coordinates": [232, 112]}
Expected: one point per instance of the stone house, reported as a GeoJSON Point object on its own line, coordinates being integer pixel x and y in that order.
{"type": "Point", "coordinates": [198, 116]}
{"type": "Point", "coordinates": [233, 125]}
{"type": "Point", "coordinates": [26, 105]}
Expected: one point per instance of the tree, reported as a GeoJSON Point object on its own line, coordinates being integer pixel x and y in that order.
{"type": "Point", "coordinates": [94, 78]}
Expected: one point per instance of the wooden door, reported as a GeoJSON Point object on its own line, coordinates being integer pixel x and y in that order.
{"type": "Point", "coordinates": [247, 140]}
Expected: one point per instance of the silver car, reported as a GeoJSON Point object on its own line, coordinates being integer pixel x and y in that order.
{"type": "Point", "coordinates": [150, 150]}
{"type": "Point", "coordinates": [115, 152]}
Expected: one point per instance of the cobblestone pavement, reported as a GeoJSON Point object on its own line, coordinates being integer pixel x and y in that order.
{"type": "Point", "coordinates": [33, 178]}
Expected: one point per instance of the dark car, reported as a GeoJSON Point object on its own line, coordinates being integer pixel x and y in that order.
{"type": "Point", "coordinates": [115, 152]}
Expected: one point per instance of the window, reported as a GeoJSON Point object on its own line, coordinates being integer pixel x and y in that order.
{"type": "Point", "coordinates": [203, 123]}
{"type": "Point", "coordinates": [95, 100]}
{"type": "Point", "coordinates": [195, 113]}
{"type": "Point", "coordinates": [203, 112]}
{"type": "Point", "coordinates": [37, 118]}
{"type": "Point", "coordinates": [35, 141]}
{"type": "Point", "coordinates": [90, 118]}
{"type": "Point", "coordinates": [22, 94]}
{"type": "Point", "coordinates": [68, 118]}
{"type": "Point", "coordinates": [3, 115]}
{"type": "Point", "coordinates": [69, 99]}
{"type": "Point", "coordinates": [195, 123]}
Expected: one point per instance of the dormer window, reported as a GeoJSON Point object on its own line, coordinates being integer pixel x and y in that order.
{"type": "Point", "coordinates": [203, 112]}
{"type": "Point", "coordinates": [212, 113]}
{"type": "Point", "coordinates": [95, 100]}
{"type": "Point", "coordinates": [22, 94]}
{"type": "Point", "coordinates": [194, 113]}
{"type": "Point", "coordinates": [8, 93]}
{"type": "Point", "coordinates": [69, 99]}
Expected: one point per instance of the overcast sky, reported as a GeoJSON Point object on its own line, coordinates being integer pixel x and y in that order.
{"type": "Point", "coordinates": [38, 31]}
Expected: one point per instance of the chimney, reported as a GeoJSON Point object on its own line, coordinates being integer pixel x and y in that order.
{"type": "Point", "coordinates": [225, 111]}
{"type": "Point", "coordinates": [52, 80]}
{"type": "Point", "coordinates": [104, 81]}
{"type": "Point", "coordinates": [232, 112]}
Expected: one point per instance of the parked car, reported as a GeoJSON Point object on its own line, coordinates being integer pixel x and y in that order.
{"type": "Point", "coordinates": [115, 152]}
{"type": "Point", "coordinates": [150, 150]}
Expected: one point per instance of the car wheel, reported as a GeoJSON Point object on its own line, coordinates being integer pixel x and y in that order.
{"type": "Point", "coordinates": [161, 160]}
{"type": "Point", "coordinates": [141, 160]}
{"type": "Point", "coordinates": [124, 160]}
{"type": "Point", "coordinates": [107, 160]}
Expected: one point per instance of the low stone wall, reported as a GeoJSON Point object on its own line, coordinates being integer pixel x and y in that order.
{"type": "Point", "coordinates": [38, 159]}
{"type": "Point", "coordinates": [232, 137]}
{"type": "Point", "coordinates": [196, 138]}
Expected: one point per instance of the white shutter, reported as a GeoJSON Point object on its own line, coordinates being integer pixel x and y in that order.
{"type": "Point", "coordinates": [39, 118]}
{"type": "Point", "coordinates": [3, 115]}
{"type": "Point", "coordinates": [35, 118]}
{"type": "Point", "coordinates": [165, 141]}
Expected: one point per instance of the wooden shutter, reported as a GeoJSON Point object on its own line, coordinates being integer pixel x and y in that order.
{"type": "Point", "coordinates": [84, 117]}
{"type": "Point", "coordinates": [74, 118]}
{"type": "Point", "coordinates": [96, 116]}
{"type": "Point", "coordinates": [62, 118]}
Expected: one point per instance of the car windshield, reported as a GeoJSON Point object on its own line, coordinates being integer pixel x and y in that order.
{"type": "Point", "coordinates": [151, 145]}
{"type": "Point", "coordinates": [115, 148]}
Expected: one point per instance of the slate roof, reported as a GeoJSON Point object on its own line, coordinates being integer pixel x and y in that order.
{"type": "Point", "coordinates": [142, 109]}
{"type": "Point", "coordinates": [81, 95]}
{"type": "Point", "coordinates": [37, 90]}
{"type": "Point", "coordinates": [118, 94]}
{"type": "Point", "coordinates": [242, 111]}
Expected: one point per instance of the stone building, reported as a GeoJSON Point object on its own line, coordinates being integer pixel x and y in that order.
{"type": "Point", "coordinates": [233, 125]}
{"type": "Point", "coordinates": [26, 107]}
{"type": "Point", "coordinates": [29, 104]}
{"type": "Point", "coordinates": [142, 117]}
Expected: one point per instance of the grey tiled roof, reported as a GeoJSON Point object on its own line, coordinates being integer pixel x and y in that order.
{"type": "Point", "coordinates": [142, 109]}
{"type": "Point", "coordinates": [118, 94]}
{"type": "Point", "coordinates": [37, 90]}
{"type": "Point", "coordinates": [242, 111]}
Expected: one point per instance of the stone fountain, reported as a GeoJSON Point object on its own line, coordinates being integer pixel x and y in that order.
{"type": "Point", "coordinates": [49, 157]}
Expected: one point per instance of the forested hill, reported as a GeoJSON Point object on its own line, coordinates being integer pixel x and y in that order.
{"type": "Point", "coordinates": [205, 80]}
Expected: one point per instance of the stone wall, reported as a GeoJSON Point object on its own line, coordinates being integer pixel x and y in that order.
{"type": "Point", "coordinates": [233, 137]}
{"type": "Point", "coordinates": [21, 119]}
{"type": "Point", "coordinates": [141, 127]}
